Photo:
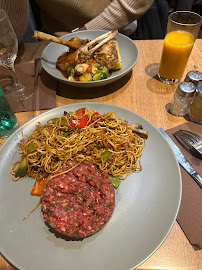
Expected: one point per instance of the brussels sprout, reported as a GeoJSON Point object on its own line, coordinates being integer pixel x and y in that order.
{"type": "Point", "coordinates": [70, 71]}
{"type": "Point", "coordinates": [85, 77]}
{"type": "Point", "coordinates": [94, 69]}
{"type": "Point", "coordinates": [99, 76]}
{"type": "Point", "coordinates": [105, 70]}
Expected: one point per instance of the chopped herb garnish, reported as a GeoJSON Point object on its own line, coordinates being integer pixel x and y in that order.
{"type": "Point", "coordinates": [76, 232]}
{"type": "Point", "coordinates": [52, 211]}
{"type": "Point", "coordinates": [95, 185]}
{"type": "Point", "coordinates": [90, 189]}
{"type": "Point", "coordinates": [110, 204]}
{"type": "Point", "coordinates": [68, 207]}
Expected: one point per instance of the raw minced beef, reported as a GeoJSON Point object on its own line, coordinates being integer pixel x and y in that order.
{"type": "Point", "coordinates": [78, 203]}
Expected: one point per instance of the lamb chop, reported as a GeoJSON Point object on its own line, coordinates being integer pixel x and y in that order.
{"type": "Point", "coordinates": [72, 58]}
{"type": "Point", "coordinates": [74, 43]}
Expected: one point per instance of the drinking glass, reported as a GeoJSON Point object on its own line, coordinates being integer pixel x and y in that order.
{"type": "Point", "coordinates": [182, 30]}
{"type": "Point", "coordinates": [8, 120]}
{"type": "Point", "coordinates": [8, 54]}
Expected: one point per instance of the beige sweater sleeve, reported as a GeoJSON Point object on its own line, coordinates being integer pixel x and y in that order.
{"type": "Point", "coordinates": [18, 12]}
{"type": "Point", "coordinates": [119, 13]}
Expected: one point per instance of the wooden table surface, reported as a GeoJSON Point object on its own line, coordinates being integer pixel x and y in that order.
{"type": "Point", "coordinates": [141, 92]}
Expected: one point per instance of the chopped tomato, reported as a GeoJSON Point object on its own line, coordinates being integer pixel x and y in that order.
{"type": "Point", "coordinates": [92, 60]}
{"type": "Point", "coordinates": [89, 69]}
{"type": "Point", "coordinates": [91, 120]}
{"type": "Point", "coordinates": [80, 120]}
{"type": "Point", "coordinates": [82, 60]}
{"type": "Point", "coordinates": [39, 187]}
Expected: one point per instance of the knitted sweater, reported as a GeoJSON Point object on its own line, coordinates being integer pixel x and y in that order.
{"type": "Point", "coordinates": [65, 15]}
{"type": "Point", "coordinates": [18, 12]}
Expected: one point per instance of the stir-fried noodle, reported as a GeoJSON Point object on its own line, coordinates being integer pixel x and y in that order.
{"type": "Point", "coordinates": [107, 141]}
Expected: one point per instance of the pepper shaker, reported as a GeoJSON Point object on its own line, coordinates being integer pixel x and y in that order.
{"type": "Point", "coordinates": [183, 98]}
{"type": "Point", "coordinates": [194, 76]}
{"type": "Point", "coordinates": [195, 113]}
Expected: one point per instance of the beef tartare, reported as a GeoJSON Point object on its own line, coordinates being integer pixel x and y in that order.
{"type": "Point", "coordinates": [78, 203]}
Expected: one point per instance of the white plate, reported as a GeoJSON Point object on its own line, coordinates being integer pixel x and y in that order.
{"type": "Point", "coordinates": [147, 204]}
{"type": "Point", "coordinates": [128, 50]}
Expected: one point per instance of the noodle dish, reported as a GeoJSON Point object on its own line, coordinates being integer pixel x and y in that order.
{"type": "Point", "coordinates": [77, 160]}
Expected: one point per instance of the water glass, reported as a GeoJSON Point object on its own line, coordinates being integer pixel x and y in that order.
{"type": "Point", "coordinates": [8, 120]}
{"type": "Point", "coordinates": [182, 30]}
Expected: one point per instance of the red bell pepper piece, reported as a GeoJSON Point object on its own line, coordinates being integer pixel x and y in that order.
{"type": "Point", "coordinates": [89, 69]}
{"type": "Point", "coordinates": [80, 120]}
{"type": "Point", "coordinates": [91, 120]}
{"type": "Point", "coordinates": [92, 60]}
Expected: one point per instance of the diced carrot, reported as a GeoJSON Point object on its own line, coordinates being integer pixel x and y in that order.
{"type": "Point", "coordinates": [39, 187]}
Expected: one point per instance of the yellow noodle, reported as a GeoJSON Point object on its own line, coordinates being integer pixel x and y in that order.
{"type": "Point", "coordinates": [108, 132]}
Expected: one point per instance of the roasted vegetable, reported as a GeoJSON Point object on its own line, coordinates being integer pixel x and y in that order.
{"type": "Point", "coordinates": [115, 180]}
{"type": "Point", "coordinates": [105, 155]}
{"type": "Point", "coordinates": [86, 77]}
{"type": "Point", "coordinates": [22, 168]}
{"type": "Point", "coordinates": [80, 69]}
{"type": "Point", "coordinates": [70, 71]}
{"type": "Point", "coordinates": [38, 187]}
{"type": "Point", "coordinates": [99, 76]}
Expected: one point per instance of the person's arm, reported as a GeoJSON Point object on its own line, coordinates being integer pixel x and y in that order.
{"type": "Point", "coordinates": [119, 13]}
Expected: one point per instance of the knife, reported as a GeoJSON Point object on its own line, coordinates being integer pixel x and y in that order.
{"type": "Point", "coordinates": [36, 75]}
{"type": "Point", "coordinates": [183, 160]}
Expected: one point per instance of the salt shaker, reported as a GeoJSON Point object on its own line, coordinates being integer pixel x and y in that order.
{"type": "Point", "coordinates": [194, 76]}
{"type": "Point", "coordinates": [183, 98]}
{"type": "Point", "coordinates": [195, 113]}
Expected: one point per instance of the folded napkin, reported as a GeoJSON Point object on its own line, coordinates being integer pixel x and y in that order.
{"type": "Point", "coordinates": [45, 95]}
{"type": "Point", "coordinates": [190, 213]}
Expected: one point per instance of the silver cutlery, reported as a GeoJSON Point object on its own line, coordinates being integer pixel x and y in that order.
{"type": "Point", "coordinates": [191, 141]}
{"type": "Point", "coordinates": [183, 160]}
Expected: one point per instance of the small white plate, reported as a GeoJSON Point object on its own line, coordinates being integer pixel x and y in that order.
{"type": "Point", "coordinates": [128, 51]}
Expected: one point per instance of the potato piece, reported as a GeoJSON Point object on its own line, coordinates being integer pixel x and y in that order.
{"type": "Point", "coordinates": [86, 77]}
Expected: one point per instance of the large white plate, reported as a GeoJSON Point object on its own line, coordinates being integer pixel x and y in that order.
{"type": "Point", "coordinates": [147, 204]}
{"type": "Point", "coordinates": [128, 50]}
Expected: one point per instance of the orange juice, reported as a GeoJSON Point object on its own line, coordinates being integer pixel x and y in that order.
{"type": "Point", "coordinates": [176, 52]}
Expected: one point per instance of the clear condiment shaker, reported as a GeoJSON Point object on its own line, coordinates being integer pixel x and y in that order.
{"type": "Point", "coordinates": [195, 113]}
{"type": "Point", "coordinates": [194, 76]}
{"type": "Point", "coordinates": [183, 98]}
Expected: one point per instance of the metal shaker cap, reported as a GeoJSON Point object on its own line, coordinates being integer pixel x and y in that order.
{"type": "Point", "coordinates": [194, 76]}
{"type": "Point", "coordinates": [199, 88]}
{"type": "Point", "coordinates": [186, 89]}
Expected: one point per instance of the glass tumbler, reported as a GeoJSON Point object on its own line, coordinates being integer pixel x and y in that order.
{"type": "Point", "coordinates": [8, 120]}
{"type": "Point", "coordinates": [182, 30]}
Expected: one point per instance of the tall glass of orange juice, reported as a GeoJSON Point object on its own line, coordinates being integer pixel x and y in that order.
{"type": "Point", "coordinates": [182, 30]}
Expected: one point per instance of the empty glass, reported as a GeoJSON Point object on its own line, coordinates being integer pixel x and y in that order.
{"type": "Point", "coordinates": [8, 54]}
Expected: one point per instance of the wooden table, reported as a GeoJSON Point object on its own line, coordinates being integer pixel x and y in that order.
{"type": "Point", "coordinates": [141, 92]}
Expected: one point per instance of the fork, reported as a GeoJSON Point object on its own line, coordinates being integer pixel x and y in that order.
{"type": "Point", "coordinates": [191, 141]}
